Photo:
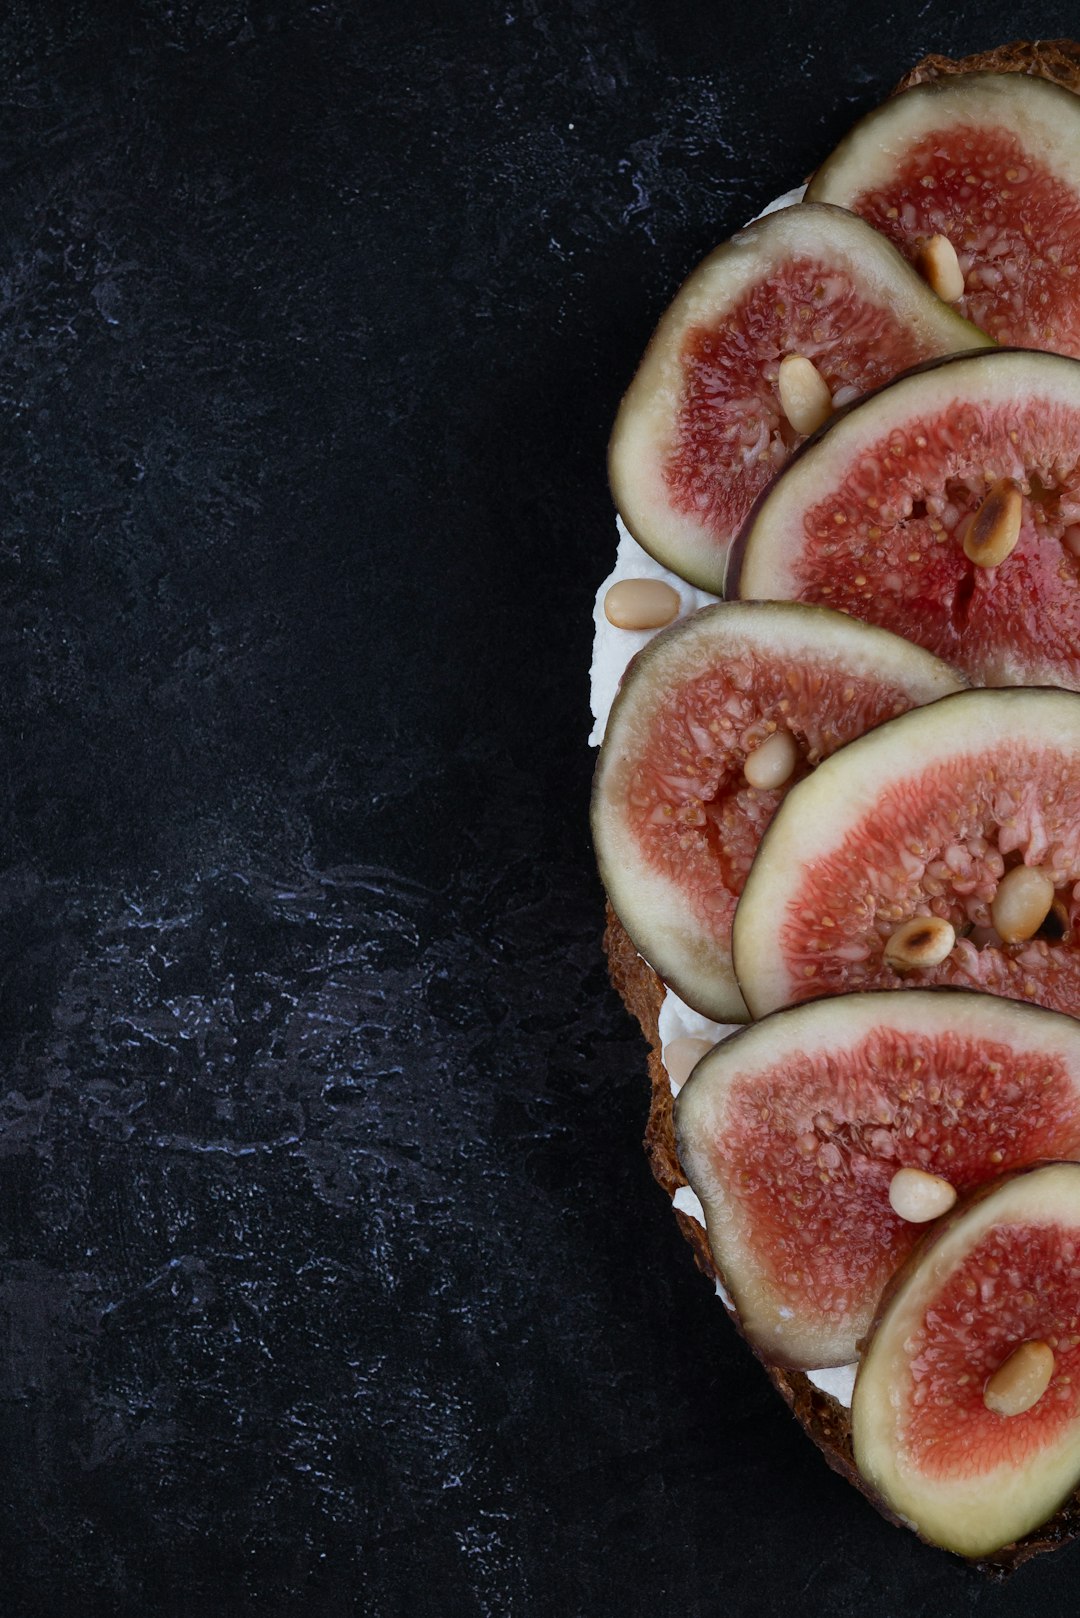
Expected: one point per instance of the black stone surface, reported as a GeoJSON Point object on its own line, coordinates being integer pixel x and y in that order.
{"type": "Point", "coordinates": [332, 1279]}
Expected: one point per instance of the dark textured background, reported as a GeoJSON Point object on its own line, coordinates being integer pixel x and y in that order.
{"type": "Point", "coordinates": [332, 1280]}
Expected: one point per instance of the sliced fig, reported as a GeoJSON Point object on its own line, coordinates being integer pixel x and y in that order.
{"type": "Point", "coordinates": [946, 508]}
{"type": "Point", "coordinates": [701, 715]}
{"type": "Point", "coordinates": [929, 816]}
{"type": "Point", "coordinates": [994, 1294]}
{"type": "Point", "coordinates": [990, 162]}
{"type": "Point", "coordinates": [793, 1132]}
{"type": "Point", "coordinates": [702, 429]}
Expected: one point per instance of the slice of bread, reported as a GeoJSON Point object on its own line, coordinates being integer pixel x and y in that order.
{"type": "Point", "coordinates": [824, 1418]}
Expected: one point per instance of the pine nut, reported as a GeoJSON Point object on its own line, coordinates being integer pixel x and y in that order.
{"type": "Point", "coordinates": [1021, 1380]}
{"type": "Point", "coordinates": [682, 1056]}
{"type": "Point", "coordinates": [941, 268]}
{"type": "Point", "coordinates": [918, 1196]}
{"type": "Point", "coordinates": [922, 941]}
{"type": "Point", "coordinates": [993, 531]}
{"type": "Point", "coordinates": [804, 393]}
{"type": "Point", "coordinates": [1022, 903]}
{"type": "Point", "coordinates": [771, 764]}
{"type": "Point", "coordinates": [641, 604]}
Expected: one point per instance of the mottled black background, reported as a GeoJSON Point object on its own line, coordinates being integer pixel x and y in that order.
{"type": "Point", "coordinates": [332, 1280]}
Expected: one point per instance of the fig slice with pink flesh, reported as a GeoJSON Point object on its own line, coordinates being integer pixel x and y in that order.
{"type": "Point", "coordinates": [792, 1131]}
{"type": "Point", "coordinates": [676, 813]}
{"type": "Point", "coordinates": [927, 816]}
{"type": "Point", "coordinates": [946, 508]}
{"type": "Point", "coordinates": [999, 1276]}
{"type": "Point", "coordinates": [990, 162]}
{"type": "Point", "coordinates": [702, 428]}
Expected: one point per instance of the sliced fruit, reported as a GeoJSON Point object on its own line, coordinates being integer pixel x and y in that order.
{"type": "Point", "coordinates": [926, 817]}
{"type": "Point", "coordinates": [990, 162]}
{"type": "Point", "coordinates": [802, 1134]}
{"type": "Point", "coordinates": [945, 508]}
{"type": "Point", "coordinates": [702, 427]}
{"type": "Point", "coordinates": [690, 771]}
{"type": "Point", "coordinates": [966, 1411]}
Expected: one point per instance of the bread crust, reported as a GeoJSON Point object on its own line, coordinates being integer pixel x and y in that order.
{"type": "Point", "coordinates": [824, 1418]}
{"type": "Point", "coordinates": [1054, 59]}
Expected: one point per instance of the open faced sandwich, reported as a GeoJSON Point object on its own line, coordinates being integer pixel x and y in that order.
{"type": "Point", "coordinates": [836, 684]}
